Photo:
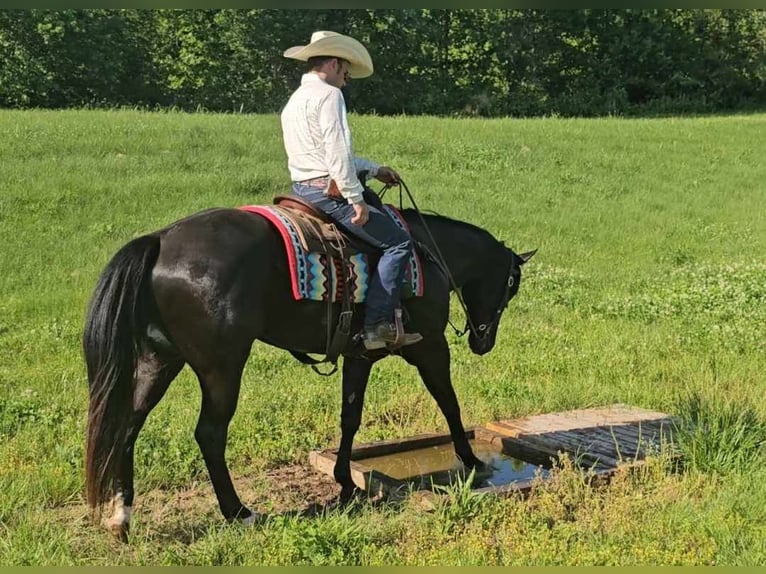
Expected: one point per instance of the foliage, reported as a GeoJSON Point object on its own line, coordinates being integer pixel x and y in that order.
{"type": "Point", "coordinates": [495, 62]}
{"type": "Point", "coordinates": [458, 503]}
{"type": "Point", "coordinates": [721, 437]}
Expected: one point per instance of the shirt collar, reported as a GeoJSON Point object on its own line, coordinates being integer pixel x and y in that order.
{"type": "Point", "coordinates": [310, 78]}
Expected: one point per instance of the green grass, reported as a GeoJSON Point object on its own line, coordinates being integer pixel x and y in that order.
{"type": "Point", "coordinates": [649, 289]}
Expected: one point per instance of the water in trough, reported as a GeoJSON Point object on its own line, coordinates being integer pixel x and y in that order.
{"type": "Point", "coordinates": [439, 465]}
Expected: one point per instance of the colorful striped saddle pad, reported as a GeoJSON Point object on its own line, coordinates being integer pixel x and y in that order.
{"type": "Point", "coordinates": [312, 276]}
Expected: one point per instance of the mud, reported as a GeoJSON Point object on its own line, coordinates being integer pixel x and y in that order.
{"type": "Point", "coordinates": [184, 515]}
{"type": "Point", "coordinates": [294, 489]}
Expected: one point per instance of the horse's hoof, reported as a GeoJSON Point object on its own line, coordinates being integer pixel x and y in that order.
{"type": "Point", "coordinates": [119, 522]}
{"type": "Point", "coordinates": [254, 519]}
{"type": "Point", "coordinates": [349, 495]}
{"type": "Point", "coordinates": [481, 469]}
{"type": "Point", "coordinates": [473, 463]}
{"type": "Point", "coordinates": [119, 530]}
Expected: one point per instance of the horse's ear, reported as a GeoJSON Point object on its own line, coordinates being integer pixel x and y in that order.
{"type": "Point", "coordinates": [527, 256]}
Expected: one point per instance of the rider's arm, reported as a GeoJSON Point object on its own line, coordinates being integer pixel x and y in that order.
{"type": "Point", "coordinates": [339, 156]}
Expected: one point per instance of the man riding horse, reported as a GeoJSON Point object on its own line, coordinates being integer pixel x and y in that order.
{"type": "Point", "coordinates": [324, 171]}
{"type": "Point", "coordinates": [202, 290]}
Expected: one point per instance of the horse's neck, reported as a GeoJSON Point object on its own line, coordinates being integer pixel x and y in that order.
{"type": "Point", "coordinates": [466, 248]}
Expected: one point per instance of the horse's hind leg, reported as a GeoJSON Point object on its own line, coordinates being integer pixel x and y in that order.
{"type": "Point", "coordinates": [220, 390]}
{"type": "Point", "coordinates": [154, 373]}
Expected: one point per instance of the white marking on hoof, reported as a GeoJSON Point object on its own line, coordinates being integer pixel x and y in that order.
{"type": "Point", "coordinates": [250, 520]}
{"type": "Point", "coordinates": [120, 518]}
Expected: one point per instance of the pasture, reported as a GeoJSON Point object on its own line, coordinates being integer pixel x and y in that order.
{"type": "Point", "coordinates": [649, 288]}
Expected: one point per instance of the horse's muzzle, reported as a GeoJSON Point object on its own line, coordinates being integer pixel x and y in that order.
{"type": "Point", "coordinates": [481, 345]}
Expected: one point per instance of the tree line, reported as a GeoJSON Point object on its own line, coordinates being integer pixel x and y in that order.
{"type": "Point", "coordinates": [496, 62]}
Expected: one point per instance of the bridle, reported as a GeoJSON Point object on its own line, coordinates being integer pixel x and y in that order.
{"type": "Point", "coordinates": [482, 331]}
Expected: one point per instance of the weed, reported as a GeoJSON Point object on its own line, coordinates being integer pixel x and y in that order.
{"type": "Point", "coordinates": [458, 503]}
{"type": "Point", "coordinates": [722, 437]}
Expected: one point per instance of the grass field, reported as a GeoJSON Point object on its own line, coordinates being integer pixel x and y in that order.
{"type": "Point", "coordinates": [649, 289]}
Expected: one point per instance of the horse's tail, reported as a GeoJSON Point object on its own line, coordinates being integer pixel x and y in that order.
{"type": "Point", "coordinates": [115, 324]}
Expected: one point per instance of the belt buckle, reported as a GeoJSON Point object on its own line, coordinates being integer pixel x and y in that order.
{"type": "Point", "coordinates": [317, 182]}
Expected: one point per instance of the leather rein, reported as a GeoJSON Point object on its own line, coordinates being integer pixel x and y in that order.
{"type": "Point", "coordinates": [483, 330]}
{"type": "Point", "coordinates": [336, 341]}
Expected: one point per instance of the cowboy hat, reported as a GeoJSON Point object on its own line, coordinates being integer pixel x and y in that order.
{"type": "Point", "coordinates": [326, 43]}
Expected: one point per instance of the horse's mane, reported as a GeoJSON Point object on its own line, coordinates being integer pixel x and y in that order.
{"type": "Point", "coordinates": [411, 215]}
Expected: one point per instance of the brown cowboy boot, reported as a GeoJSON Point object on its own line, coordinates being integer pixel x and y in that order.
{"type": "Point", "coordinates": [390, 335]}
{"type": "Point", "coordinates": [385, 335]}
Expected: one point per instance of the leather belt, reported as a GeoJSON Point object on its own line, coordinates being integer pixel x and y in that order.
{"type": "Point", "coordinates": [316, 182]}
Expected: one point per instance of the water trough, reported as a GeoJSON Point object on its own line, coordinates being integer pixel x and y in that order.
{"type": "Point", "coordinates": [520, 451]}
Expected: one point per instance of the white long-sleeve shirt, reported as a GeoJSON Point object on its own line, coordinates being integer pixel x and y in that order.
{"type": "Point", "coordinates": [317, 138]}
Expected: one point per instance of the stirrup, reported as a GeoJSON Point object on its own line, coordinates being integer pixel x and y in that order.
{"type": "Point", "coordinates": [399, 341]}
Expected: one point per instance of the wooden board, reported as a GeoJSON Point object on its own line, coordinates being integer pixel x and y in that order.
{"type": "Point", "coordinates": [582, 418]}
{"type": "Point", "coordinates": [606, 436]}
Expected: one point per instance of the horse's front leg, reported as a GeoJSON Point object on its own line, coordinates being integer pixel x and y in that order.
{"type": "Point", "coordinates": [432, 359]}
{"type": "Point", "coordinates": [356, 373]}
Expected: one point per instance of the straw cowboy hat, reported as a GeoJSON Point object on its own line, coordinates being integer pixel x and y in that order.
{"type": "Point", "coordinates": [326, 43]}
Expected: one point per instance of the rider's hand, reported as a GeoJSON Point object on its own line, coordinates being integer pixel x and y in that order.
{"type": "Point", "coordinates": [361, 213]}
{"type": "Point", "coordinates": [387, 175]}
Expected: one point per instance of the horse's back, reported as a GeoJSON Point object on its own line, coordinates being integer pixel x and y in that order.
{"type": "Point", "coordinates": [216, 270]}
{"type": "Point", "coordinates": [206, 232]}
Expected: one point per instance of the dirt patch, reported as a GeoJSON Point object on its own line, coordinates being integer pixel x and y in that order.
{"type": "Point", "coordinates": [295, 489]}
{"type": "Point", "coordinates": [186, 514]}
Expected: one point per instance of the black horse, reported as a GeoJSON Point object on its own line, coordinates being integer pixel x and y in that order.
{"type": "Point", "coordinates": [201, 290]}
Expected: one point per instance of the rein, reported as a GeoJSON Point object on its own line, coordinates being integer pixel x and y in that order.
{"type": "Point", "coordinates": [482, 331]}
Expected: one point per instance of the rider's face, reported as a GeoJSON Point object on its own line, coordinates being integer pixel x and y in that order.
{"type": "Point", "coordinates": [338, 73]}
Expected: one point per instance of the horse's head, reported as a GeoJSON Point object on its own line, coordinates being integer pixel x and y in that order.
{"type": "Point", "coordinates": [487, 296]}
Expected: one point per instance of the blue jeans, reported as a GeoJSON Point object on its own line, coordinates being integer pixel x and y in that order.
{"type": "Point", "coordinates": [381, 231]}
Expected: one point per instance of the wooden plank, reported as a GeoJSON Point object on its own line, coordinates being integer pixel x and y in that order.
{"type": "Point", "coordinates": [587, 446]}
{"type": "Point", "coordinates": [543, 443]}
{"type": "Point", "coordinates": [588, 443]}
{"type": "Point", "coordinates": [622, 442]}
{"type": "Point", "coordinates": [529, 451]}
{"type": "Point", "coordinates": [534, 448]}
{"type": "Point", "coordinates": [627, 414]}
{"type": "Point", "coordinates": [516, 486]}
{"type": "Point", "coordinates": [518, 448]}
{"type": "Point", "coordinates": [381, 448]}
{"type": "Point", "coordinates": [360, 478]}
{"type": "Point", "coordinates": [398, 445]}
{"type": "Point", "coordinates": [572, 440]}
{"type": "Point", "coordinates": [324, 461]}
{"type": "Point", "coordinates": [524, 486]}
{"type": "Point", "coordinates": [487, 435]}
{"type": "Point", "coordinates": [503, 428]}
{"type": "Point", "coordinates": [658, 428]}
{"type": "Point", "coordinates": [601, 438]}
{"type": "Point", "coordinates": [580, 418]}
{"type": "Point", "coordinates": [627, 447]}
{"type": "Point", "coordinates": [651, 431]}
{"type": "Point", "coordinates": [630, 441]}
